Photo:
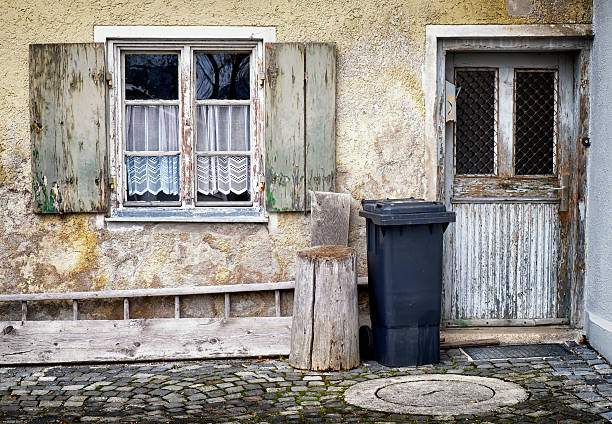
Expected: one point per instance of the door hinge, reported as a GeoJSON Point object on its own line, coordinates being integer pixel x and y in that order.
{"type": "Point", "coordinates": [261, 79]}
{"type": "Point", "coordinates": [109, 79]}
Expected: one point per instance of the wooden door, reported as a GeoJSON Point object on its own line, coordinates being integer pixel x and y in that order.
{"type": "Point", "coordinates": [508, 187]}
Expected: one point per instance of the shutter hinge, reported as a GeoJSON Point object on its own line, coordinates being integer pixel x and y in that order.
{"type": "Point", "coordinates": [109, 79]}
{"type": "Point", "coordinates": [113, 182]}
{"type": "Point", "coordinates": [261, 182]}
{"type": "Point", "coordinates": [261, 79]}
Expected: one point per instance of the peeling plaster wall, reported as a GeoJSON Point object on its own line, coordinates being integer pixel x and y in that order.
{"type": "Point", "coordinates": [380, 133]}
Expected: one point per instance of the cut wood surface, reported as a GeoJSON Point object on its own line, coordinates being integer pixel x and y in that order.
{"type": "Point", "coordinates": [329, 220]}
{"type": "Point", "coordinates": [325, 325]}
{"type": "Point", "coordinates": [142, 339]}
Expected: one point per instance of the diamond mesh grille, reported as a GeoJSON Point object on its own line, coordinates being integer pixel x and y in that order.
{"type": "Point", "coordinates": [476, 122]}
{"type": "Point", "coordinates": [534, 124]}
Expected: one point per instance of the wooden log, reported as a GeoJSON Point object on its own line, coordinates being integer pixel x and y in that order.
{"type": "Point", "coordinates": [324, 333]}
{"type": "Point", "coordinates": [329, 220]}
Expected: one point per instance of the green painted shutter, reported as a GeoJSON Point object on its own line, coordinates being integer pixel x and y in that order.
{"type": "Point", "coordinates": [320, 118]}
{"type": "Point", "coordinates": [285, 127]}
{"type": "Point", "coordinates": [68, 127]}
{"type": "Point", "coordinates": [300, 123]}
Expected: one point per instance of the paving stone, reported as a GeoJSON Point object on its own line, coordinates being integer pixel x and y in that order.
{"type": "Point", "coordinates": [569, 389]}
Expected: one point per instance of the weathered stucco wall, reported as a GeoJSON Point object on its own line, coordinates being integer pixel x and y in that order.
{"type": "Point", "coordinates": [380, 133]}
{"type": "Point", "coordinates": [598, 320]}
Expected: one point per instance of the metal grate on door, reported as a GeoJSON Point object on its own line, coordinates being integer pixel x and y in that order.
{"type": "Point", "coordinates": [475, 147]}
{"type": "Point", "coordinates": [534, 122]}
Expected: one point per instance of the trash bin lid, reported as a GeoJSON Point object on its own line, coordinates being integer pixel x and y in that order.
{"type": "Point", "coordinates": [405, 212]}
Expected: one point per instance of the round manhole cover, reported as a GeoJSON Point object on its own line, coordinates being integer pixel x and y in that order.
{"type": "Point", "coordinates": [435, 394]}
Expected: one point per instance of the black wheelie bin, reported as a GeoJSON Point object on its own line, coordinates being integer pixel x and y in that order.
{"type": "Point", "coordinates": [404, 243]}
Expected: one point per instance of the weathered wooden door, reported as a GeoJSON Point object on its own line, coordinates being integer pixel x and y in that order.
{"type": "Point", "coordinates": [507, 183]}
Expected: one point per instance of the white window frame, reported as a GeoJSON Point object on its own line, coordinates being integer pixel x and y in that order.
{"type": "Point", "coordinates": [186, 41]}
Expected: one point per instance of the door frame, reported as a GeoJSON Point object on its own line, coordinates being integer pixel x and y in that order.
{"type": "Point", "coordinates": [575, 39]}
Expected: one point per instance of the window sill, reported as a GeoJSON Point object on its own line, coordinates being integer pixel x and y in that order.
{"type": "Point", "coordinates": [229, 215]}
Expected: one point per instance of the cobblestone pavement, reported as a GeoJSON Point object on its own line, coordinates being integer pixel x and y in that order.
{"type": "Point", "coordinates": [573, 389]}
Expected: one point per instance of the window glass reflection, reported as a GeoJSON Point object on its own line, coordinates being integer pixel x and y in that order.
{"type": "Point", "coordinates": [151, 76]}
{"type": "Point", "coordinates": [222, 76]}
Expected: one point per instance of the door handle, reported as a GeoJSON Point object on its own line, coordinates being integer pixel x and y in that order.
{"type": "Point", "coordinates": [564, 193]}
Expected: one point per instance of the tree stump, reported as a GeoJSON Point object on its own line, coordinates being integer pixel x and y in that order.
{"type": "Point", "coordinates": [324, 333]}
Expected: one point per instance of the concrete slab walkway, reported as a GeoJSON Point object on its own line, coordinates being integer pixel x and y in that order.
{"type": "Point", "coordinates": [572, 389]}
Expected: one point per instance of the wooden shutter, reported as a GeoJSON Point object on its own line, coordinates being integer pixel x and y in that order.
{"type": "Point", "coordinates": [68, 127]}
{"type": "Point", "coordinates": [300, 123]}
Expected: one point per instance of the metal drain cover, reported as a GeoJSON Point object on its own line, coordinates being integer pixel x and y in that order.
{"type": "Point", "coordinates": [440, 395]}
{"type": "Point", "coordinates": [516, 351]}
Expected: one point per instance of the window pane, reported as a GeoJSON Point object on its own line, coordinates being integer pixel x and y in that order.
{"type": "Point", "coordinates": [222, 76]}
{"type": "Point", "coordinates": [534, 125]}
{"type": "Point", "coordinates": [151, 76]}
{"type": "Point", "coordinates": [223, 128]}
{"type": "Point", "coordinates": [152, 178]}
{"type": "Point", "coordinates": [222, 178]}
{"type": "Point", "coordinates": [476, 122]}
{"type": "Point", "coordinates": [151, 128]}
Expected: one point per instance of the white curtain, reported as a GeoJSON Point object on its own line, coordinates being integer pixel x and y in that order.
{"type": "Point", "coordinates": [152, 128]}
{"type": "Point", "coordinates": [153, 174]}
{"type": "Point", "coordinates": [223, 128]}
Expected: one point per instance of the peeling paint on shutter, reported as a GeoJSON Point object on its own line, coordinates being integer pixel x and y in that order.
{"type": "Point", "coordinates": [285, 127]}
{"type": "Point", "coordinates": [320, 118]}
{"type": "Point", "coordinates": [68, 127]}
{"type": "Point", "coordinates": [300, 123]}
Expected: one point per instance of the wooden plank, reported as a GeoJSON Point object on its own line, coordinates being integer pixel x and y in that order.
{"type": "Point", "coordinates": [277, 303]}
{"type": "Point", "coordinates": [468, 343]}
{"type": "Point", "coordinates": [320, 98]}
{"type": "Point", "coordinates": [68, 127]}
{"type": "Point", "coordinates": [329, 220]}
{"type": "Point", "coordinates": [176, 291]}
{"type": "Point", "coordinates": [285, 127]}
{"type": "Point", "coordinates": [142, 340]}
{"type": "Point", "coordinates": [126, 308]}
{"type": "Point", "coordinates": [531, 322]}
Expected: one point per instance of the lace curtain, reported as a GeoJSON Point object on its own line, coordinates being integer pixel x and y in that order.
{"type": "Point", "coordinates": [155, 128]}
{"type": "Point", "coordinates": [152, 128]}
{"type": "Point", "coordinates": [223, 128]}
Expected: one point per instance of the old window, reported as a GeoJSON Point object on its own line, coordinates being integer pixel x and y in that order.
{"type": "Point", "coordinates": [187, 128]}
{"type": "Point", "coordinates": [169, 124]}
